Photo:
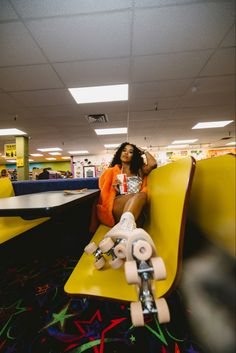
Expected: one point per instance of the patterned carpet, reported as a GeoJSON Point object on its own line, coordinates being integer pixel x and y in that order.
{"type": "Point", "coordinates": [36, 316]}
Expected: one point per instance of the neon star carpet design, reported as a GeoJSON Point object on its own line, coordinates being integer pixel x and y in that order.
{"type": "Point", "coordinates": [36, 316]}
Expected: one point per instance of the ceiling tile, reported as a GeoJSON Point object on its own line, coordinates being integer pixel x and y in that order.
{"type": "Point", "coordinates": [160, 3]}
{"type": "Point", "coordinates": [150, 116]}
{"type": "Point", "coordinates": [221, 63]}
{"type": "Point", "coordinates": [108, 107]}
{"type": "Point", "coordinates": [22, 78]}
{"type": "Point", "coordinates": [158, 89]}
{"type": "Point", "coordinates": [46, 8]}
{"type": "Point", "coordinates": [6, 101]}
{"type": "Point", "coordinates": [208, 99]}
{"type": "Point", "coordinates": [215, 84]}
{"type": "Point", "coordinates": [169, 66]}
{"type": "Point", "coordinates": [17, 46]}
{"type": "Point", "coordinates": [230, 38]}
{"type": "Point", "coordinates": [43, 97]}
{"type": "Point", "coordinates": [71, 110]}
{"type": "Point", "coordinates": [151, 104]}
{"type": "Point", "coordinates": [83, 37]}
{"type": "Point", "coordinates": [181, 28]}
{"type": "Point", "coordinates": [92, 73]}
{"type": "Point", "coordinates": [6, 11]}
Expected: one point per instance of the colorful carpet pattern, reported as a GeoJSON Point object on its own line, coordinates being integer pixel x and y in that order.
{"type": "Point", "coordinates": [36, 316]}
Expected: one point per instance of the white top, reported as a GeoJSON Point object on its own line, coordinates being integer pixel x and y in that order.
{"type": "Point", "coordinates": [134, 184]}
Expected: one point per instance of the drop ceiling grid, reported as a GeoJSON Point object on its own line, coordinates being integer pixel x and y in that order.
{"type": "Point", "coordinates": [49, 46]}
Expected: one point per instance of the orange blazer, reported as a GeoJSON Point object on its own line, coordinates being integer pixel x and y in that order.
{"type": "Point", "coordinates": [108, 194]}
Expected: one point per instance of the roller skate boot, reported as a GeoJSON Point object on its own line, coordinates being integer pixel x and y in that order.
{"type": "Point", "coordinates": [142, 268]}
{"type": "Point", "coordinates": [113, 244]}
{"type": "Point", "coordinates": [119, 235]}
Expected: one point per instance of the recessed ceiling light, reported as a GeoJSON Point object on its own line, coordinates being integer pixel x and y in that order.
{"type": "Point", "coordinates": [78, 152]}
{"type": "Point", "coordinates": [97, 94]}
{"type": "Point", "coordinates": [49, 149]}
{"type": "Point", "coordinates": [231, 143]}
{"type": "Point", "coordinates": [112, 145]}
{"type": "Point", "coordinates": [212, 124]}
{"type": "Point", "coordinates": [51, 159]}
{"type": "Point", "coordinates": [113, 131]}
{"type": "Point", "coordinates": [11, 132]}
{"type": "Point", "coordinates": [54, 153]}
{"type": "Point", "coordinates": [36, 154]}
{"type": "Point", "coordinates": [184, 141]}
{"type": "Point", "coordinates": [177, 146]}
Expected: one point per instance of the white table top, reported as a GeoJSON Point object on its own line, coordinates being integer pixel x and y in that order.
{"type": "Point", "coordinates": [44, 203]}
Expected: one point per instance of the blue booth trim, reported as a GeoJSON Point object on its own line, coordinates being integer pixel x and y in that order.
{"type": "Point", "coordinates": [34, 186]}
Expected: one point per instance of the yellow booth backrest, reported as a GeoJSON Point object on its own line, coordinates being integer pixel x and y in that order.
{"type": "Point", "coordinates": [212, 200]}
{"type": "Point", "coordinates": [6, 188]}
{"type": "Point", "coordinates": [168, 195]}
{"type": "Point", "coordinates": [168, 192]}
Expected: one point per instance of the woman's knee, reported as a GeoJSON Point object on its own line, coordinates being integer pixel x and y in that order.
{"type": "Point", "coordinates": [141, 196]}
{"type": "Point", "coordinates": [138, 199]}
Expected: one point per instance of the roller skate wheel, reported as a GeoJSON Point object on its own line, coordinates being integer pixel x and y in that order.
{"type": "Point", "coordinates": [131, 272]}
{"type": "Point", "coordinates": [136, 313]}
{"type": "Point", "coordinates": [142, 250]}
{"type": "Point", "coordinates": [90, 248]}
{"type": "Point", "coordinates": [120, 251]}
{"type": "Point", "coordinates": [163, 312]}
{"type": "Point", "coordinates": [116, 263]}
{"type": "Point", "coordinates": [98, 264]}
{"type": "Point", "coordinates": [159, 269]}
{"type": "Point", "coordinates": [106, 244]}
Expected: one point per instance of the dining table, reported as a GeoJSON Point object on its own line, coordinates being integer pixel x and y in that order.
{"type": "Point", "coordinates": [45, 204]}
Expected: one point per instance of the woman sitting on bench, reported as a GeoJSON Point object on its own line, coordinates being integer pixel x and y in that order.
{"type": "Point", "coordinates": [119, 206]}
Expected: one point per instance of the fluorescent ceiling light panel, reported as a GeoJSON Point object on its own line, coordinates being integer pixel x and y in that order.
{"type": "Point", "coordinates": [113, 131]}
{"type": "Point", "coordinates": [36, 154]}
{"type": "Point", "coordinates": [51, 159]}
{"type": "Point", "coordinates": [231, 143]}
{"type": "Point", "coordinates": [112, 145]}
{"type": "Point", "coordinates": [98, 94]}
{"type": "Point", "coordinates": [11, 160]}
{"type": "Point", "coordinates": [78, 152]}
{"type": "Point", "coordinates": [55, 153]}
{"type": "Point", "coordinates": [65, 157]}
{"type": "Point", "coordinates": [11, 132]}
{"type": "Point", "coordinates": [49, 149]}
{"type": "Point", "coordinates": [184, 141]}
{"type": "Point", "coordinates": [212, 124]}
{"type": "Point", "coordinates": [177, 146]}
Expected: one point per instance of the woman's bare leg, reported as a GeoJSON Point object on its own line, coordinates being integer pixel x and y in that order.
{"type": "Point", "coordinates": [133, 203]}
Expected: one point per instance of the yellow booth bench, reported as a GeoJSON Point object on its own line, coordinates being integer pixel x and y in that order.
{"type": "Point", "coordinates": [10, 227]}
{"type": "Point", "coordinates": [168, 194]}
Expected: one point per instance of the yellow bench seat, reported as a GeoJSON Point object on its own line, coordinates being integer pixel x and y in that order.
{"type": "Point", "coordinates": [10, 227]}
{"type": "Point", "coordinates": [168, 193]}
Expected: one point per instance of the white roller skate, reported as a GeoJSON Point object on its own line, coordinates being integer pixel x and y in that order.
{"type": "Point", "coordinates": [142, 268]}
{"type": "Point", "coordinates": [113, 244]}
{"type": "Point", "coordinates": [106, 246]}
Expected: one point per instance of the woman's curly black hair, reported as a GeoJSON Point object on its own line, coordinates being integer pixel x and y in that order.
{"type": "Point", "coordinates": [137, 161]}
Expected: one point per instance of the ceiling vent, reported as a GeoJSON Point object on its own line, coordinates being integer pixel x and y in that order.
{"type": "Point", "coordinates": [97, 118]}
